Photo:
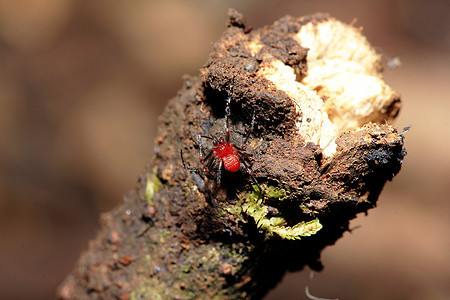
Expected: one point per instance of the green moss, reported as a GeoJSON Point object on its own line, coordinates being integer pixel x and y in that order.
{"type": "Point", "coordinates": [254, 206]}
{"type": "Point", "coordinates": [153, 185]}
{"type": "Point", "coordinates": [234, 209]}
{"type": "Point", "coordinates": [273, 192]}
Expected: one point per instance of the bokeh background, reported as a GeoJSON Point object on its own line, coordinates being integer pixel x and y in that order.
{"type": "Point", "coordinates": [83, 82]}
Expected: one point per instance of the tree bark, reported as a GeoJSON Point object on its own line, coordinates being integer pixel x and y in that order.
{"type": "Point", "coordinates": [321, 151]}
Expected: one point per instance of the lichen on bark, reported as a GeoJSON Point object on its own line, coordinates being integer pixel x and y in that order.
{"type": "Point", "coordinates": [322, 149]}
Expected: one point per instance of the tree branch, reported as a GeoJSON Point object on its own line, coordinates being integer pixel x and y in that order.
{"type": "Point", "coordinates": [318, 151]}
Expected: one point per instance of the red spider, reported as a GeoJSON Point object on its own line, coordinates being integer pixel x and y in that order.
{"type": "Point", "coordinates": [223, 153]}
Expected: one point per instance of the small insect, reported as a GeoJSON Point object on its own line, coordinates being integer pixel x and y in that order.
{"type": "Point", "coordinates": [223, 153]}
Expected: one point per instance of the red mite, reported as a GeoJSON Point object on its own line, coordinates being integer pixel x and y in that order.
{"type": "Point", "coordinates": [223, 153]}
{"type": "Point", "coordinates": [229, 155]}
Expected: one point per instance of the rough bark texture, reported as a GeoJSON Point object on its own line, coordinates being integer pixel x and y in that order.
{"type": "Point", "coordinates": [314, 87]}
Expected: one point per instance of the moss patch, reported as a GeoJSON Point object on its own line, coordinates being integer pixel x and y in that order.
{"type": "Point", "coordinates": [274, 223]}
{"type": "Point", "coordinates": [153, 185]}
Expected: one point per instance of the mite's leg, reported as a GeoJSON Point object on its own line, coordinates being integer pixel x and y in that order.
{"type": "Point", "coordinates": [186, 166]}
{"type": "Point", "coordinates": [250, 172]}
{"type": "Point", "coordinates": [252, 125]}
{"type": "Point", "coordinates": [219, 174]}
{"type": "Point", "coordinates": [227, 119]}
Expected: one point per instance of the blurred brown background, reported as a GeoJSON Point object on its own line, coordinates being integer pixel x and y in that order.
{"type": "Point", "coordinates": [82, 84]}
